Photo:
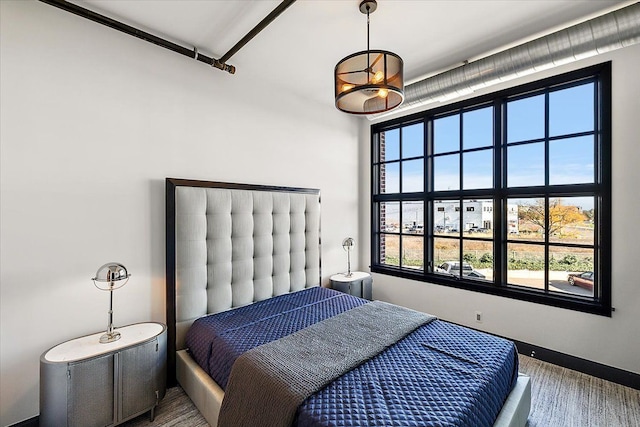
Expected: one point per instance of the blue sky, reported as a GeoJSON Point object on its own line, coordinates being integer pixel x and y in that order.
{"type": "Point", "coordinates": [571, 160]}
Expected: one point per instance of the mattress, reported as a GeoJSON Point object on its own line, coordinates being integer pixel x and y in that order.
{"type": "Point", "coordinates": [440, 375]}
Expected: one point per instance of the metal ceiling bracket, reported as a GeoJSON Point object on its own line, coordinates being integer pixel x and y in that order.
{"type": "Point", "coordinates": [368, 6]}
{"type": "Point", "coordinates": [224, 67]}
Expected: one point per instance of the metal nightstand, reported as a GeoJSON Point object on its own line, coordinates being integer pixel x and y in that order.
{"type": "Point", "coordinates": [86, 383]}
{"type": "Point", "coordinates": [359, 284]}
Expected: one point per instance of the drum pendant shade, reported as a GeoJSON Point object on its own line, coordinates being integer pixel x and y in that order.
{"type": "Point", "coordinates": [370, 81]}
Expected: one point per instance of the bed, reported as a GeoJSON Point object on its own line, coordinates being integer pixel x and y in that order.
{"type": "Point", "coordinates": [235, 248]}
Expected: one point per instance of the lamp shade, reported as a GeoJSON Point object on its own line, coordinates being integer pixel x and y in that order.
{"type": "Point", "coordinates": [348, 243]}
{"type": "Point", "coordinates": [109, 274]}
{"type": "Point", "coordinates": [369, 82]}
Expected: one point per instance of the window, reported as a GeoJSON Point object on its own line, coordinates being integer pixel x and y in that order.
{"type": "Point", "coordinates": [507, 194]}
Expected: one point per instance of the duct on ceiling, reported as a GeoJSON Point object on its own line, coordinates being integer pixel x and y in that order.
{"type": "Point", "coordinates": [614, 30]}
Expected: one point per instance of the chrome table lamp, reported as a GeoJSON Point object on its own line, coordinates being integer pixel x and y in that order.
{"type": "Point", "coordinates": [348, 244]}
{"type": "Point", "coordinates": [110, 277]}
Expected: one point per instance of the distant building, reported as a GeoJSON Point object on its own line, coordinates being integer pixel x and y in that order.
{"type": "Point", "coordinates": [476, 214]}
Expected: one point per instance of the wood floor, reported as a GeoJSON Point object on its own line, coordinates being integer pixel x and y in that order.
{"type": "Point", "coordinates": [560, 397]}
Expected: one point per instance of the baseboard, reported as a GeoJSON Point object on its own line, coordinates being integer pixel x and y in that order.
{"type": "Point", "coordinates": [619, 376]}
{"type": "Point", "coordinates": [595, 369]}
{"type": "Point", "coordinates": [31, 422]}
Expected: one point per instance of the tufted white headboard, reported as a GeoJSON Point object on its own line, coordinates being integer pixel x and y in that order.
{"type": "Point", "coordinates": [230, 245]}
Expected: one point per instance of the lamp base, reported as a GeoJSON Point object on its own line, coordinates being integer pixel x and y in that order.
{"type": "Point", "coordinates": [109, 337]}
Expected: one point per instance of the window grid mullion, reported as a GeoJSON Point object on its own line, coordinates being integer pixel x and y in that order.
{"type": "Point", "coordinates": [499, 175]}
{"type": "Point", "coordinates": [546, 187]}
{"type": "Point", "coordinates": [461, 189]}
{"type": "Point", "coordinates": [427, 234]}
{"type": "Point", "coordinates": [400, 202]}
{"type": "Point", "coordinates": [597, 179]}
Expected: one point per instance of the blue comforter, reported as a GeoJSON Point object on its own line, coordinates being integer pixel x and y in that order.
{"type": "Point", "coordinates": [440, 375]}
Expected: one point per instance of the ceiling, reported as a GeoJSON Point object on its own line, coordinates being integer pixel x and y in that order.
{"type": "Point", "coordinates": [302, 46]}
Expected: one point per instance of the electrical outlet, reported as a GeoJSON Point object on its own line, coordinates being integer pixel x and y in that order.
{"type": "Point", "coordinates": [479, 316]}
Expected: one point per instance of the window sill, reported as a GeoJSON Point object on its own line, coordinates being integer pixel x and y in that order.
{"type": "Point", "coordinates": [554, 300]}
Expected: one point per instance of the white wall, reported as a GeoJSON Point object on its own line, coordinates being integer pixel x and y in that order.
{"type": "Point", "coordinates": [612, 341]}
{"type": "Point", "coordinates": [92, 121]}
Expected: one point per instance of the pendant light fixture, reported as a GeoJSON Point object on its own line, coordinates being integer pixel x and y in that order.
{"type": "Point", "coordinates": [370, 81]}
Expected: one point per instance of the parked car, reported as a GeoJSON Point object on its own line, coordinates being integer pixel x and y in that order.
{"type": "Point", "coordinates": [418, 229]}
{"type": "Point", "coordinates": [478, 230]}
{"type": "Point", "coordinates": [584, 280]}
{"type": "Point", "coordinates": [453, 268]}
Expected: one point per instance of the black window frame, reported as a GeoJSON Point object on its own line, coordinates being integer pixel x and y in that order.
{"type": "Point", "coordinates": [600, 303]}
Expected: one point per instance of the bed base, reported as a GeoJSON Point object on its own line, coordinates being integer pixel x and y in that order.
{"type": "Point", "coordinates": [207, 395]}
{"type": "Point", "coordinates": [516, 408]}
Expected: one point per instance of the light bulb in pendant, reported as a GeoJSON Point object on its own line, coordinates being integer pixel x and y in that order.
{"type": "Point", "coordinates": [382, 93]}
{"type": "Point", "coordinates": [377, 77]}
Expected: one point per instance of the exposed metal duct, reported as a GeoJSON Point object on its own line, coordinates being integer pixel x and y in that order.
{"type": "Point", "coordinates": [614, 30]}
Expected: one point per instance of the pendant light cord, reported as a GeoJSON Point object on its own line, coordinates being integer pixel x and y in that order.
{"type": "Point", "coordinates": [367, 28]}
{"type": "Point", "coordinates": [368, 50]}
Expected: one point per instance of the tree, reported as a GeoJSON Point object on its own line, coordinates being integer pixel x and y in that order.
{"type": "Point", "coordinates": [560, 215]}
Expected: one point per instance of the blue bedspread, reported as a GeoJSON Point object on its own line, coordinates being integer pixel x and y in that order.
{"type": "Point", "coordinates": [440, 375]}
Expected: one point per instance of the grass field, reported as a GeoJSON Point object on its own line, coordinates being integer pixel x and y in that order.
{"type": "Point", "coordinates": [446, 248]}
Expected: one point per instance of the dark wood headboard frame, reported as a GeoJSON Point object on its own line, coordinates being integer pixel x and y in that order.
{"type": "Point", "coordinates": [170, 218]}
